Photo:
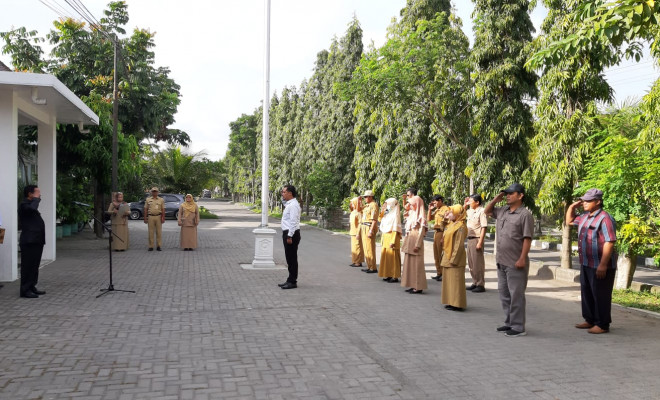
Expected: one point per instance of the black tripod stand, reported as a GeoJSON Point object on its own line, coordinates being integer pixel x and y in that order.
{"type": "Point", "coordinates": [111, 287]}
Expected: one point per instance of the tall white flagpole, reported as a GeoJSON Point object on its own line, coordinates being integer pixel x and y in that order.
{"type": "Point", "coordinates": [264, 236]}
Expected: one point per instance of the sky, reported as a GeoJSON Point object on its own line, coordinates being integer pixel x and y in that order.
{"type": "Point", "coordinates": [215, 49]}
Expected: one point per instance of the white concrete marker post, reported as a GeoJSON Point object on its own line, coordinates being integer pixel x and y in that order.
{"type": "Point", "coordinates": [264, 236]}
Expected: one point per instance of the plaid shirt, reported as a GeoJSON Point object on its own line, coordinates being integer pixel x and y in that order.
{"type": "Point", "coordinates": [593, 231]}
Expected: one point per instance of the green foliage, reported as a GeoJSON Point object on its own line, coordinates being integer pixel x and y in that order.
{"type": "Point", "coordinates": [173, 170]}
{"type": "Point", "coordinates": [206, 214]}
{"type": "Point", "coordinates": [620, 24]}
{"type": "Point", "coordinates": [642, 300]}
{"type": "Point", "coordinates": [323, 186]}
{"type": "Point", "coordinates": [503, 89]}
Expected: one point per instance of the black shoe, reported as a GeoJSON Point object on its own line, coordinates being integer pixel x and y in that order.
{"type": "Point", "coordinates": [504, 328]}
{"type": "Point", "coordinates": [393, 280]}
{"type": "Point", "coordinates": [30, 295]}
{"type": "Point", "coordinates": [479, 289]}
{"type": "Point", "coordinates": [371, 271]}
{"type": "Point", "coordinates": [438, 278]}
{"type": "Point", "coordinates": [289, 285]}
{"type": "Point", "coordinates": [356, 266]}
{"type": "Point", "coordinates": [151, 249]}
{"type": "Point", "coordinates": [158, 248]}
{"type": "Point", "coordinates": [415, 291]}
{"type": "Point", "coordinates": [455, 308]}
{"type": "Point", "coordinates": [37, 291]}
{"type": "Point", "coordinates": [471, 287]}
{"type": "Point", "coordinates": [282, 284]}
{"type": "Point", "coordinates": [387, 279]}
{"type": "Point", "coordinates": [514, 333]}
{"type": "Point", "coordinates": [448, 307]}
{"type": "Point", "coordinates": [365, 269]}
{"type": "Point", "coordinates": [409, 290]}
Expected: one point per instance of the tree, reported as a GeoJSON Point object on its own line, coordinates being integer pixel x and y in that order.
{"type": "Point", "coordinates": [176, 171]}
{"type": "Point", "coordinates": [82, 60]}
{"type": "Point", "coordinates": [241, 156]}
{"type": "Point", "coordinates": [418, 84]}
{"type": "Point", "coordinates": [566, 117]}
{"type": "Point", "coordinates": [503, 89]}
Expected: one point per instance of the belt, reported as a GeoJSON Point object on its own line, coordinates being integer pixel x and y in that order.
{"type": "Point", "coordinates": [154, 215]}
{"type": "Point", "coordinates": [366, 223]}
{"type": "Point", "coordinates": [472, 237]}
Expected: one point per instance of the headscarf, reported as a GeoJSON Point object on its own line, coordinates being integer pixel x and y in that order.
{"type": "Point", "coordinates": [356, 204]}
{"type": "Point", "coordinates": [392, 220]}
{"type": "Point", "coordinates": [459, 221]}
{"type": "Point", "coordinates": [416, 214]}
{"type": "Point", "coordinates": [189, 206]}
{"type": "Point", "coordinates": [115, 199]}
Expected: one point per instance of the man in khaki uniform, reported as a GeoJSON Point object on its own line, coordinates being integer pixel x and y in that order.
{"type": "Point", "coordinates": [477, 221]}
{"type": "Point", "coordinates": [368, 230]}
{"type": "Point", "coordinates": [437, 210]}
{"type": "Point", "coordinates": [154, 215]}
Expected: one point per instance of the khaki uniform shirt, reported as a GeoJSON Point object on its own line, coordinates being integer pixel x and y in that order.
{"type": "Point", "coordinates": [440, 222]}
{"type": "Point", "coordinates": [370, 215]}
{"type": "Point", "coordinates": [154, 206]}
{"type": "Point", "coordinates": [512, 227]}
{"type": "Point", "coordinates": [354, 222]}
{"type": "Point", "coordinates": [476, 219]}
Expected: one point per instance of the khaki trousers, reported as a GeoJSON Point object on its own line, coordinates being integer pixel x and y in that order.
{"type": "Point", "coordinates": [357, 254]}
{"type": "Point", "coordinates": [437, 250]}
{"type": "Point", "coordinates": [476, 262]}
{"type": "Point", "coordinates": [369, 247]}
{"type": "Point", "coordinates": [155, 226]}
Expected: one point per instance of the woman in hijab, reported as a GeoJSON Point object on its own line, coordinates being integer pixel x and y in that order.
{"type": "Point", "coordinates": [357, 255]}
{"type": "Point", "coordinates": [414, 273]}
{"type": "Point", "coordinates": [454, 260]}
{"type": "Point", "coordinates": [119, 212]}
{"type": "Point", "coordinates": [390, 255]}
{"type": "Point", "coordinates": [188, 221]}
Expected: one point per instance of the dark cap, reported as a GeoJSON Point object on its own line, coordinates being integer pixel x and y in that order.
{"type": "Point", "coordinates": [477, 198]}
{"type": "Point", "coordinates": [592, 194]}
{"type": "Point", "coordinates": [516, 187]}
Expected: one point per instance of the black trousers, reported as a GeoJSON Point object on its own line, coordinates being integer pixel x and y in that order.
{"type": "Point", "coordinates": [30, 260]}
{"type": "Point", "coordinates": [291, 253]}
{"type": "Point", "coordinates": [597, 296]}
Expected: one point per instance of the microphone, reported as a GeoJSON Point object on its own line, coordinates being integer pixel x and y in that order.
{"type": "Point", "coordinates": [81, 204]}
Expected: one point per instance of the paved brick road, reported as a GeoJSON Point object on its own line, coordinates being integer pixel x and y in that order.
{"type": "Point", "coordinates": [200, 327]}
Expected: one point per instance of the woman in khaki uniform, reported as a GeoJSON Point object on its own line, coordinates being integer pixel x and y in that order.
{"type": "Point", "coordinates": [390, 255]}
{"type": "Point", "coordinates": [414, 272]}
{"type": "Point", "coordinates": [357, 255]}
{"type": "Point", "coordinates": [188, 221]}
{"type": "Point", "coordinates": [454, 260]}
{"type": "Point", "coordinates": [119, 212]}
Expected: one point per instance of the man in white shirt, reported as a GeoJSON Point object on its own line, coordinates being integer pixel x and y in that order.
{"type": "Point", "coordinates": [290, 234]}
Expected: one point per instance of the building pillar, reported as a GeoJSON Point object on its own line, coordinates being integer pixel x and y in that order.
{"type": "Point", "coordinates": [47, 178]}
{"type": "Point", "coordinates": [8, 181]}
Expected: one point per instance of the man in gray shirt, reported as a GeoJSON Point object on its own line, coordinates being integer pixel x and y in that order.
{"type": "Point", "coordinates": [514, 230]}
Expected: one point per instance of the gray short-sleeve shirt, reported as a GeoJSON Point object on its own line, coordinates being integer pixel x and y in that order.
{"type": "Point", "coordinates": [512, 227]}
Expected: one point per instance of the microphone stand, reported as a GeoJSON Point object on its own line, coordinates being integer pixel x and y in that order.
{"type": "Point", "coordinates": [111, 287]}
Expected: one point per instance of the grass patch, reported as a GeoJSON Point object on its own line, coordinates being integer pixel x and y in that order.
{"type": "Point", "coordinates": [630, 298]}
{"type": "Point", "coordinates": [206, 214]}
{"type": "Point", "coordinates": [257, 210]}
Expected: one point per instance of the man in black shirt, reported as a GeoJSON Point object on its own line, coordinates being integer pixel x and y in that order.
{"type": "Point", "coordinates": [33, 238]}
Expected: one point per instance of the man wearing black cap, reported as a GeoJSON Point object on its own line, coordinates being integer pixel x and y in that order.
{"type": "Point", "coordinates": [514, 230]}
{"type": "Point", "coordinates": [476, 224]}
{"type": "Point", "coordinates": [596, 238]}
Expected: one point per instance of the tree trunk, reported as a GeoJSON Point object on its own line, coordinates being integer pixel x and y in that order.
{"type": "Point", "coordinates": [566, 245]}
{"type": "Point", "coordinates": [625, 271]}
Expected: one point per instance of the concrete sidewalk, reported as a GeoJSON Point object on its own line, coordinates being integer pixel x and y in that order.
{"type": "Point", "coordinates": [200, 327]}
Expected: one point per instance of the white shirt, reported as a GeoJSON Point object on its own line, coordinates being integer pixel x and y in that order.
{"type": "Point", "coordinates": [291, 216]}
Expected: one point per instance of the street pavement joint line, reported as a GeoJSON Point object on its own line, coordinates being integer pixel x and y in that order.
{"type": "Point", "coordinates": [406, 383]}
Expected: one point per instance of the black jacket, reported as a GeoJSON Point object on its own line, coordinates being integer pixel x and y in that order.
{"type": "Point", "coordinates": [33, 229]}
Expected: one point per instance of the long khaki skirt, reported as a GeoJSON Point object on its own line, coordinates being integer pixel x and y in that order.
{"type": "Point", "coordinates": [414, 272]}
{"type": "Point", "coordinates": [122, 232]}
{"type": "Point", "coordinates": [453, 287]}
{"type": "Point", "coordinates": [188, 237]}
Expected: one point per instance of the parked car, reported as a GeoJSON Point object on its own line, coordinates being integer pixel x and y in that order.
{"type": "Point", "coordinates": [172, 203]}
{"type": "Point", "coordinates": [206, 194]}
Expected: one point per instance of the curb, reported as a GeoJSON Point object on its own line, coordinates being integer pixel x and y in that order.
{"type": "Point", "coordinates": [638, 311]}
